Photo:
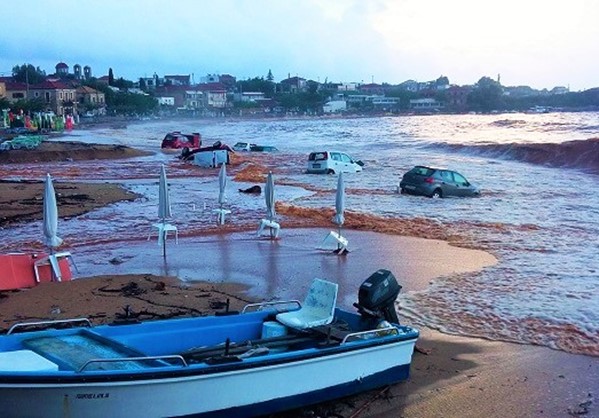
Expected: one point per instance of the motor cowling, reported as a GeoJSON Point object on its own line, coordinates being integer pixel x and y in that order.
{"type": "Point", "coordinates": [377, 295]}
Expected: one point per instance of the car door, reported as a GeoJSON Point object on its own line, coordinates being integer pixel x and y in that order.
{"type": "Point", "coordinates": [462, 186]}
{"type": "Point", "coordinates": [347, 164]}
{"type": "Point", "coordinates": [448, 185]}
{"type": "Point", "coordinates": [335, 162]}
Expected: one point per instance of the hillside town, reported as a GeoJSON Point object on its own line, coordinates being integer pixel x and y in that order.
{"type": "Point", "coordinates": [79, 94]}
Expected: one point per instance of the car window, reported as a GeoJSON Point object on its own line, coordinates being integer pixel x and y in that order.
{"type": "Point", "coordinates": [460, 179]}
{"type": "Point", "coordinates": [335, 156]}
{"type": "Point", "coordinates": [446, 176]}
{"type": "Point", "coordinates": [345, 158]}
{"type": "Point", "coordinates": [317, 156]}
{"type": "Point", "coordinates": [421, 171]}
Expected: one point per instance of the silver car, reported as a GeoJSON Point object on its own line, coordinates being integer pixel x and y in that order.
{"type": "Point", "coordinates": [436, 182]}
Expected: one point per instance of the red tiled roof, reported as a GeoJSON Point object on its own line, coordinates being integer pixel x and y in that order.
{"type": "Point", "coordinates": [50, 85]}
{"type": "Point", "coordinates": [87, 90]}
{"type": "Point", "coordinates": [15, 86]}
{"type": "Point", "coordinates": [214, 87]}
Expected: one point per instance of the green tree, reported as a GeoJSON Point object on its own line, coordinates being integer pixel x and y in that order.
{"type": "Point", "coordinates": [27, 73]}
{"type": "Point", "coordinates": [121, 83]}
{"type": "Point", "coordinates": [110, 77]}
{"type": "Point", "coordinates": [269, 76]}
{"type": "Point", "coordinates": [257, 84]}
{"type": "Point", "coordinates": [486, 96]}
{"type": "Point", "coordinates": [124, 103]}
{"type": "Point", "coordinates": [28, 105]}
{"type": "Point", "coordinates": [4, 103]}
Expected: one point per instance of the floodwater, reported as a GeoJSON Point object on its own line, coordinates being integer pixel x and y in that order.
{"type": "Point", "coordinates": [538, 213]}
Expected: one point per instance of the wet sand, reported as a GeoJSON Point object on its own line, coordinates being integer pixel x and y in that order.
{"type": "Point", "coordinates": [458, 377]}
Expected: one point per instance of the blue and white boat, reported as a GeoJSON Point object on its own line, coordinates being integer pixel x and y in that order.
{"type": "Point", "coordinates": [268, 358]}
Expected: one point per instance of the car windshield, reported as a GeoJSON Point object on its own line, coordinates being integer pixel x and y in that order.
{"type": "Point", "coordinates": [422, 171]}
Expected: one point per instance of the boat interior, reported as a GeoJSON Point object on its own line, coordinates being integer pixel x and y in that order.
{"type": "Point", "coordinates": [265, 331]}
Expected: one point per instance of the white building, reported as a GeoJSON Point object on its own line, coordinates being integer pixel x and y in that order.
{"type": "Point", "coordinates": [425, 104]}
{"type": "Point", "coordinates": [166, 101]}
{"type": "Point", "coordinates": [334, 106]}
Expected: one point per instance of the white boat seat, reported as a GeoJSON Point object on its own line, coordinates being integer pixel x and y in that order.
{"type": "Point", "coordinates": [318, 307]}
{"type": "Point", "coordinates": [272, 226]}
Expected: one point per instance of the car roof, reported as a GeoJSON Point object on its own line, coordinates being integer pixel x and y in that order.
{"type": "Point", "coordinates": [432, 168]}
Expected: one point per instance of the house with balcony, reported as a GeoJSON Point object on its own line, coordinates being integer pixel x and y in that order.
{"type": "Point", "coordinates": [425, 105]}
{"type": "Point", "coordinates": [59, 97]}
{"type": "Point", "coordinates": [384, 103]}
{"type": "Point", "coordinates": [293, 85]}
{"type": "Point", "coordinates": [215, 95]}
{"type": "Point", "coordinates": [177, 80]}
{"type": "Point", "coordinates": [457, 98]}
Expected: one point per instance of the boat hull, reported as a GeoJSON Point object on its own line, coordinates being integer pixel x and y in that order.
{"type": "Point", "coordinates": [247, 392]}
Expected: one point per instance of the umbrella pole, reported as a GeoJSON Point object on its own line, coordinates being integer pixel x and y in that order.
{"type": "Point", "coordinates": [52, 272]}
{"type": "Point", "coordinates": [163, 232]}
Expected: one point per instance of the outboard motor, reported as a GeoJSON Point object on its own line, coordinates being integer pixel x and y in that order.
{"type": "Point", "coordinates": [376, 296]}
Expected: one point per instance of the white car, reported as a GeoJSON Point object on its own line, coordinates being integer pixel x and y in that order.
{"type": "Point", "coordinates": [243, 146]}
{"type": "Point", "coordinates": [332, 162]}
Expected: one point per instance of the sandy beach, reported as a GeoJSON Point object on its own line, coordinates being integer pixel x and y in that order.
{"type": "Point", "coordinates": [451, 376]}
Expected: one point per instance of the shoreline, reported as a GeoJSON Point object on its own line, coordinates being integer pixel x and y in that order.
{"type": "Point", "coordinates": [501, 379]}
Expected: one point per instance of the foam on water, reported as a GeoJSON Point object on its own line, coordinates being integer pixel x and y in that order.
{"type": "Point", "coordinates": [541, 222]}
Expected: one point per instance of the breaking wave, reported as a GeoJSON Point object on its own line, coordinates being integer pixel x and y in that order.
{"type": "Point", "coordinates": [578, 154]}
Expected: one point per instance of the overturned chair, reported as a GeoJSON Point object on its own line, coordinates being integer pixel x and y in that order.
{"type": "Point", "coordinates": [318, 307]}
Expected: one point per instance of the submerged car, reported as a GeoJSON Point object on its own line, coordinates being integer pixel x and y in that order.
{"type": "Point", "coordinates": [178, 140]}
{"type": "Point", "coordinates": [436, 182]}
{"type": "Point", "coordinates": [332, 162]}
{"type": "Point", "coordinates": [247, 147]}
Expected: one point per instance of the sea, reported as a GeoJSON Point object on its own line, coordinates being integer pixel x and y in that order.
{"type": "Point", "coordinates": [538, 212]}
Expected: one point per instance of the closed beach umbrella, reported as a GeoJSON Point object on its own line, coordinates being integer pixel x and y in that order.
{"type": "Point", "coordinates": [339, 202]}
{"type": "Point", "coordinates": [50, 221]}
{"type": "Point", "coordinates": [222, 185]}
{"type": "Point", "coordinates": [269, 196]}
{"type": "Point", "coordinates": [164, 200]}
{"type": "Point", "coordinates": [164, 208]}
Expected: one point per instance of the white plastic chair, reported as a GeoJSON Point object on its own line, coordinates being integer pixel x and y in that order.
{"type": "Point", "coordinates": [53, 260]}
{"type": "Point", "coordinates": [163, 230]}
{"type": "Point", "coordinates": [272, 226]}
{"type": "Point", "coordinates": [220, 215]}
{"type": "Point", "coordinates": [339, 240]}
{"type": "Point", "coordinates": [318, 307]}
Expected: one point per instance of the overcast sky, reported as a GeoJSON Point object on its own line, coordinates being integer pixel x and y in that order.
{"type": "Point", "coordinates": [540, 43]}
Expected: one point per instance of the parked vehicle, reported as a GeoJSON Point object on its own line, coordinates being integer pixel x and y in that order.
{"type": "Point", "coordinates": [247, 147]}
{"type": "Point", "coordinates": [436, 182]}
{"type": "Point", "coordinates": [177, 140]}
{"type": "Point", "coordinates": [332, 162]}
{"type": "Point", "coordinates": [270, 357]}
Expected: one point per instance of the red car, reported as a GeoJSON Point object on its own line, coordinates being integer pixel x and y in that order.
{"type": "Point", "coordinates": [177, 140]}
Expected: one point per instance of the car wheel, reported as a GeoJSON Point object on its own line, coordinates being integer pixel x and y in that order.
{"type": "Point", "coordinates": [437, 194]}
{"type": "Point", "coordinates": [330, 171]}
